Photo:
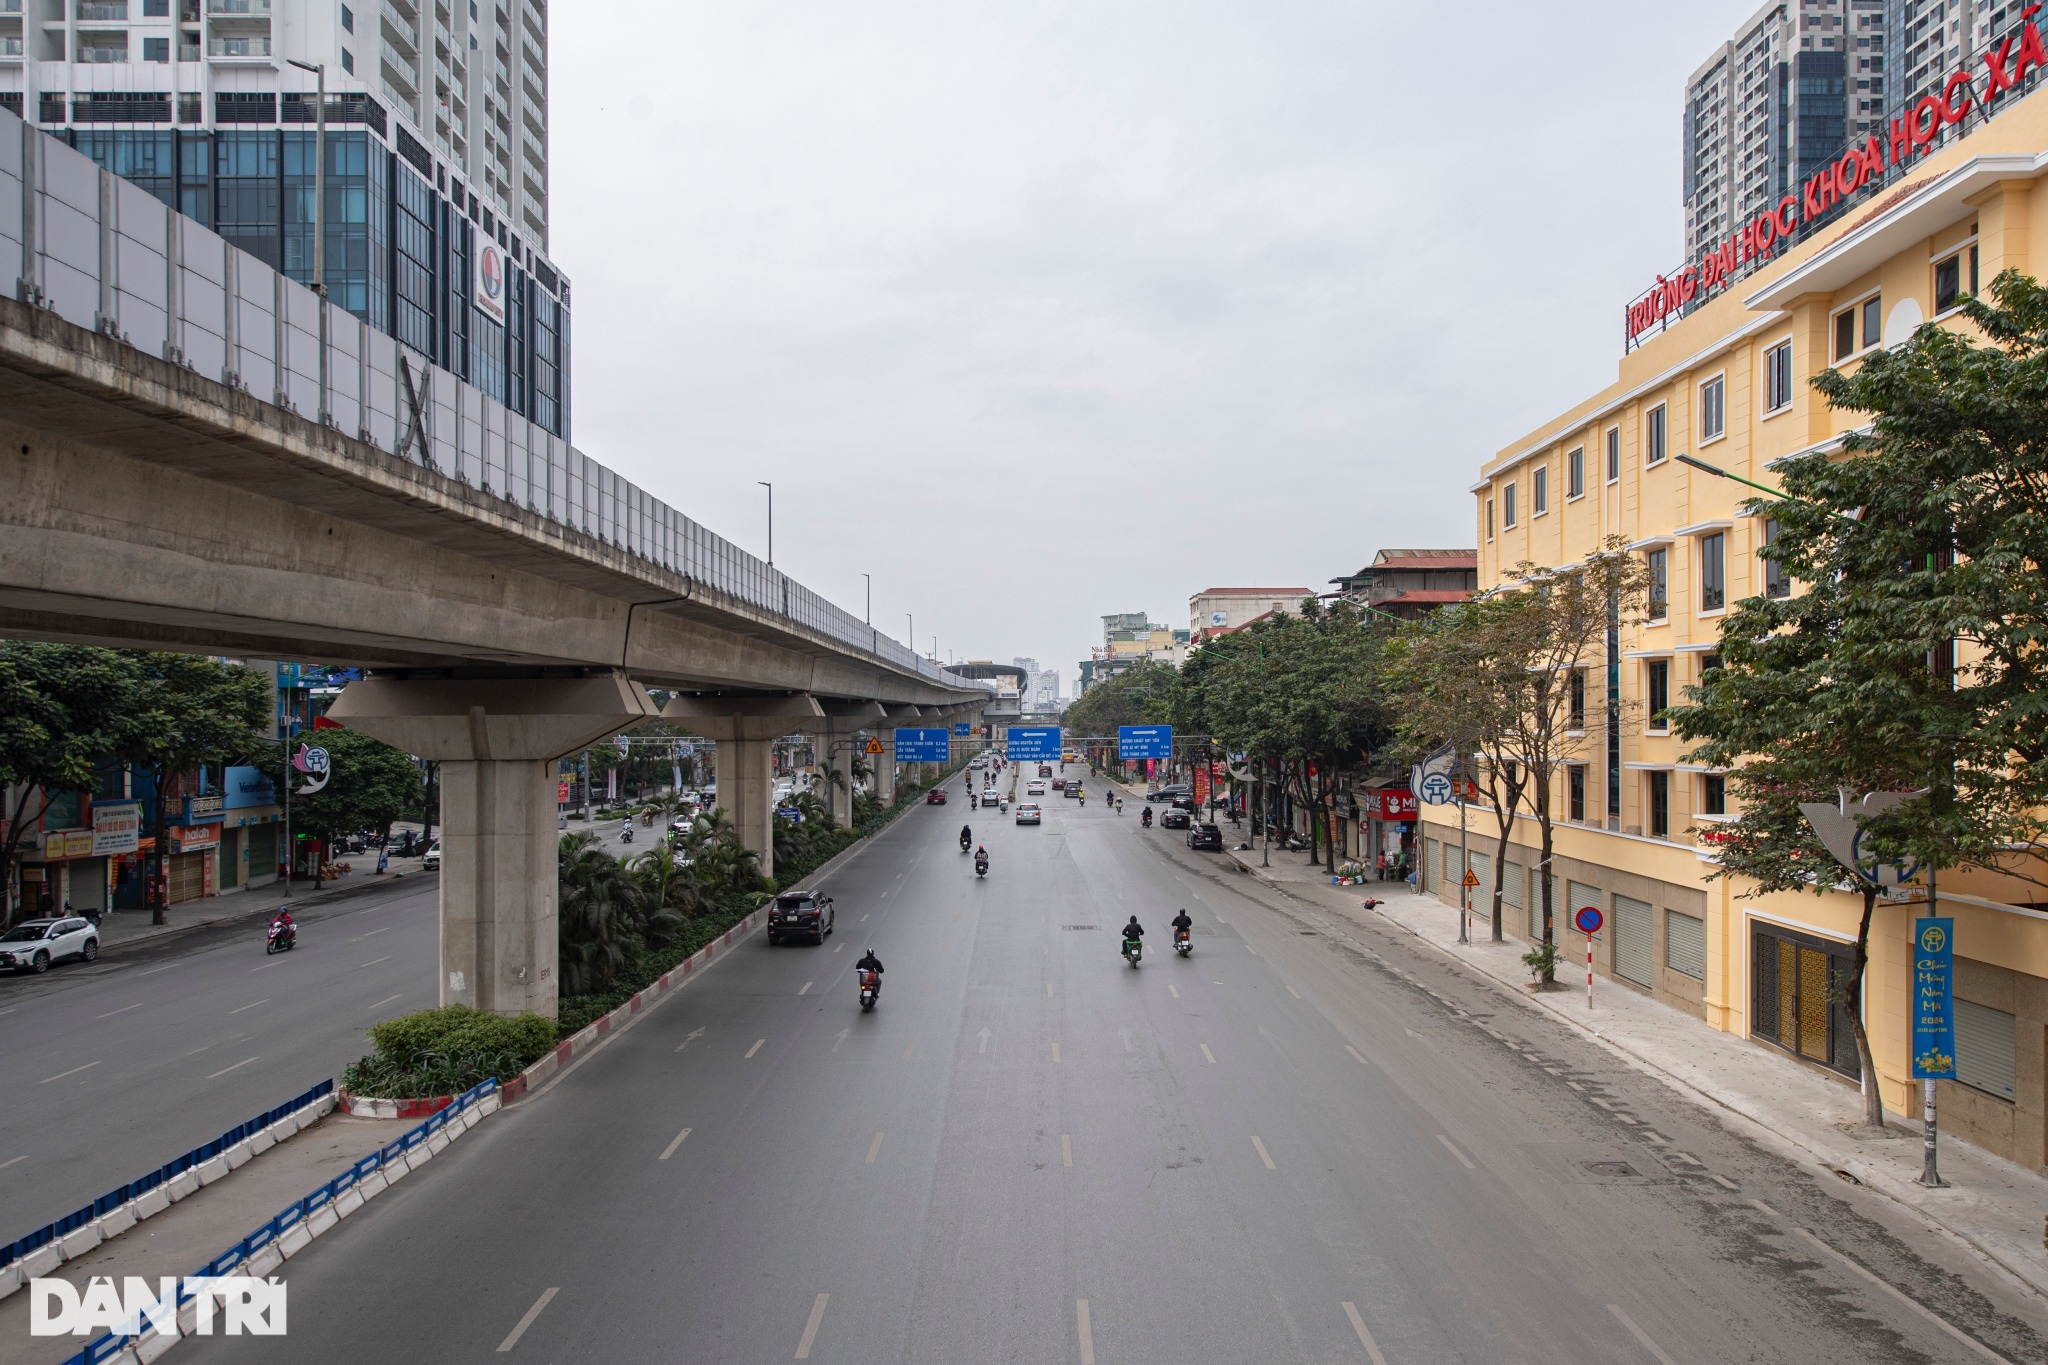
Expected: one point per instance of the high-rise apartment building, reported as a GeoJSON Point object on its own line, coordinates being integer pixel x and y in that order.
{"type": "Point", "coordinates": [1774, 103]}
{"type": "Point", "coordinates": [436, 166]}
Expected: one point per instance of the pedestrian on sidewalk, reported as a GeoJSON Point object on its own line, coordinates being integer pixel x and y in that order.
{"type": "Point", "coordinates": [1382, 867]}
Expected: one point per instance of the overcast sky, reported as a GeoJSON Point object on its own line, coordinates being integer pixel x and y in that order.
{"type": "Point", "coordinates": [1036, 312]}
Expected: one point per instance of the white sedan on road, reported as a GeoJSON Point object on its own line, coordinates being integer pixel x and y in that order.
{"type": "Point", "coordinates": [1034, 788]}
{"type": "Point", "coordinates": [1028, 813]}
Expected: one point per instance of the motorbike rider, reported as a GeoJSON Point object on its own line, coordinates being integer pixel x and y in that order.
{"type": "Point", "coordinates": [1134, 930]}
{"type": "Point", "coordinates": [871, 963]}
{"type": "Point", "coordinates": [1145, 816]}
{"type": "Point", "coordinates": [966, 835]}
{"type": "Point", "coordinates": [1119, 805]}
{"type": "Point", "coordinates": [1182, 925]}
{"type": "Point", "coordinates": [283, 922]}
{"type": "Point", "coordinates": [981, 853]}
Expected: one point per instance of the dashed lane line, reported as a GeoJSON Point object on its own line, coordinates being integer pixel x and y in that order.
{"type": "Point", "coordinates": [1365, 1338]}
{"type": "Point", "coordinates": [803, 1348]}
{"type": "Point", "coordinates": [1207, 1055]}
{"type": "Point", "coordinates": [874, 1149]}
{"type": "Point", "coordinates": [1452, 1148]}
{"type": "Point", "coordinates": [1086, 1330]}
{"type": "Point", "coordinates": [1640, 1335]}
{"type": "Point", "coordinates": [670, 1150]}
{"type": "Point", "coordinates": [250, 1006]}
{"type": "Point", "coordinates": [1174, 989]}
{"type": "Point", "coordinates": [512, 1338]}
{"type": "Point", "coordinates": [236, 1067]}
{"type": "Point", "coordinates": [756, 1047]}
{"type": "Point", "coordinates": [807, 988]}
{"type": "Point", "coordinates": [1066, 1150]}
{"type": "Point", "coordinates": [123, 1010]}
{"type": "Point", "coordinates": [72, 1072]}
{"type": "Point", "coordinates": [1264, 1155]}
{"type": "Point", "coordinates": [387, 1000]}
{"type": "Point", "coordinates": [1356, 1055]}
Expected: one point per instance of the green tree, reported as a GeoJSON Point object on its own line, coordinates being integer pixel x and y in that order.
{"type": "Point", "coordinates": [369, 785]}
{"type": "Point", "coordinates": [183, 713]}
{"type": "Point", "coordinates": [62, 712]}
{"type": "Point", "coordinates": [606, 916]}
{"type": "Point", "coordinates": [1142, 694]}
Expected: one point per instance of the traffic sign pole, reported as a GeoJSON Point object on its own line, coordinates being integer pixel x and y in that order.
{"type": "Point", "coordinates": [1588, 919]}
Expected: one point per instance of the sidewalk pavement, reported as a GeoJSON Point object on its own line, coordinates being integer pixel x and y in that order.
{"type": "Point", "coordinates": [120, 928]}
{"type": "Point", "coordinates": [1994, 1206]}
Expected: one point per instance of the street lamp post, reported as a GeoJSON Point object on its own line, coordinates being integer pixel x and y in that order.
{"type": "Point", "coordinates": [771, 519]}
{"type": "Point", "coordinates": [320, 221]}
{"type": "Point", "coordinates": [869, 617]}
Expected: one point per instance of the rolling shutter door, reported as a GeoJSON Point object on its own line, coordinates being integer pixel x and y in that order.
{"type": "Point", "coordinates": [188, 876]}
{"type": "Point", "coordinates": [1987, 1051]}
{"type": "Point", "coordinates": [1685, 944]}
{"type": "Point", "coordinates": [1577, 896]}
{"type": "Point", "coordinates": [1632, 937]}
{"type": "Point", "coordinates": [262, 842]}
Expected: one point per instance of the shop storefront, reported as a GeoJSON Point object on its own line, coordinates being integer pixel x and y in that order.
{"type": "Point", "coordinates": [1388, 815]}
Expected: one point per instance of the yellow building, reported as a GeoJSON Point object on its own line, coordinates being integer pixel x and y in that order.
{"type": "Point", "coordinates": [1728, 383]}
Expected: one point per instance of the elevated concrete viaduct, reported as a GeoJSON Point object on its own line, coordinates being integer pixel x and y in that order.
{"type": "Point", "coordinates": [511, 599]}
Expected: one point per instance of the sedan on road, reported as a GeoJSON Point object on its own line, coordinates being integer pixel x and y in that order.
{"type": "Point", "coordinates": [1205, 836]}
{"type": "Point", "coordinates": [1028, 813]}
{"type": "Point", "coordinates": [33, 946]}
{"type": "Point", "coordinates": [935, 797]}
{"type": "Point", "coordinates": [801, 914]}
{"type": "Point", "coordinates": [991, 797]}
{"type": "Point", "coordinates": [1174, 818]}
{"type": "Point", "coordinates": [1034, 789]}
{"type": "Point", "coordinates": [1059, 784]}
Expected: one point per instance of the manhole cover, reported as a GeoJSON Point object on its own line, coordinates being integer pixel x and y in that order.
{"type": "Point", "coordinates": [1080, 926]}
{"type": "Point", "coordinates": [1618, 1169]}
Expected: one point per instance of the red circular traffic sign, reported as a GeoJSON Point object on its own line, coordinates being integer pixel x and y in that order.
{"type": "Point", "coordinates": [1589, 919]}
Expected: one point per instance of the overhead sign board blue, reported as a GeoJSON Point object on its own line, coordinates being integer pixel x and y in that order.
{"type": "Point", "coordinates": [963, 728]}
{"type": "Point", "coordinates": [1144, 741]}
{"type": "Point", "coordinates": [1032, 742]}
{"type": "Point", "coordinates": [924, 746]}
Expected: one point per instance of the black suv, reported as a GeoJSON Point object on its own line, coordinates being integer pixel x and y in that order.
{"type": "Point", "coordinates": [1168, 793]}
{"type": "Point", "coordinates": [1173, 817]}
{"type": "Point", "coordinates": [801, 914]}
{"type": "Point", "coordinates": [1201, 834]}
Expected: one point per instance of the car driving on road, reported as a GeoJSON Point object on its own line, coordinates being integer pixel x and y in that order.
{"type": "Point", "coordinates": [800, 914]}
{"type": "Point", "coordinates": [1028, 813]}
{"type": "Point", "coordinates": [1034, 789]}
{"type": "Point", "coordinates": [991, 797]}
{"type": "Point", "coordinates": [1204, 835]}
{"type": "Point", "coordinates": [1173, 817]}
{"type": "Point", "coordinates": [34, 945]}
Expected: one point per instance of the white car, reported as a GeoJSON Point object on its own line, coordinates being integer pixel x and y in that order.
{"type": "Point", "coordinates": [1034, 788]}
{"type": "Point", "coordinates": [432, 862]}
{"type": "Point", "coordinates": [991, 797]}
{"type": "Point", "coordinates": [1029, 814]}
{"type": "Point", "coordinates": [32, 946]}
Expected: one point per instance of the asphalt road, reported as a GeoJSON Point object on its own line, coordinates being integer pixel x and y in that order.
{"type": "Point", "coordinates": [113, 1068]}
{"type": "Point", "coordinates": [1304, 1143]}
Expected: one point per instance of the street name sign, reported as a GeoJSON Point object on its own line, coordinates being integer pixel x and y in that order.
{"type": "Point", "coordinates": [1032, 742]}
{"type": "Point", "coordinates": [1144, 741]}
{"type": "Point", "coordinates": [924, 746]}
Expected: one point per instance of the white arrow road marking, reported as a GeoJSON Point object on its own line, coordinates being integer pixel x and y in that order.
{"type": "Point", "coordinates": [689, 1040]}
{"type": "Point", "coordinates": [840, 1039]}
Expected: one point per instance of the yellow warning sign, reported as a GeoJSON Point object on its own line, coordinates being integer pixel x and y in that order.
{"type": "Point", "coordinates": [874, 745]}
{"type": "Point", "coordinates": [1471, 877]}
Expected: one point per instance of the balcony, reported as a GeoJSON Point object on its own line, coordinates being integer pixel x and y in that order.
{"type": "Point", "coordinates": [103, 56]}
{"type": "Point", "coordinates": [102, 11]}
{"type": "Point", "coordinates": [238, 47]}
{"type": "Point", "coordinates": [255, 9]}
{"type": "Point", "coordinates": [10, 46]}
{"type": "Point", "coordinates": [10, 6]}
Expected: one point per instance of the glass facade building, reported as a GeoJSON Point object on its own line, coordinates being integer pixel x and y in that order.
{"type": "Point", "coordinates": [398, 252]}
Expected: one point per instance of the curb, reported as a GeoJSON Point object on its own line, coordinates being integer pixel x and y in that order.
{"type": "Point", "coordinates": [122, 1217]}
{"type": "Point", "coordinates": [1869, 1177]}
{"type": "Point", "coordinates": [297, 1226]}
{"type": "Point", "coordinates": [366, 1107]}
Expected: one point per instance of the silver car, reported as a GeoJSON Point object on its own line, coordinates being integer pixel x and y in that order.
{"type": "Point", "coordinates": [34, 945]}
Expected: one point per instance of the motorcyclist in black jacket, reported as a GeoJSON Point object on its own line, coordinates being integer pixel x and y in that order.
{"type": "Point", "coordinates": [1182, 923]}
{"type": "Point", "coordinates": [1134, 930]}
{"type": "Point", "coordinates": [870, 963]}
{"type": "Point", "coordinates": [966, 835]}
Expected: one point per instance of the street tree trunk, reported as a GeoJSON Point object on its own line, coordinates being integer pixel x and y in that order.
{"type": "Point", "coordinates": [1852, 1002]}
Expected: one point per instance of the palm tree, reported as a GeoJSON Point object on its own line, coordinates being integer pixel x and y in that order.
{"type": "Point", "coordinates": [603, 915]}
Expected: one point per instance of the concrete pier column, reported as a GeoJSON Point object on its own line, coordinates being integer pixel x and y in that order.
{"type": "Point", "coordinates": [838, 735]}
{"type": "Point", "coordinates": [745, 730]}
{"type": "Point", "coordinates": [496, 740]}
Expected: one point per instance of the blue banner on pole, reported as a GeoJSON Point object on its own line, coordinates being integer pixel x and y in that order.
{"type": "Point", "coordinates": [1032, 741]}
{"type": "Point", "coordinates": [1144, 741]}
{"type": "Point", "coordinates": [924, 746]}
{"type": "Point", "coordinates": [1934, 1006]}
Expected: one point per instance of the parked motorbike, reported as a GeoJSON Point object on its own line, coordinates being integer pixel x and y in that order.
{"type": "Point", "coordinates": [1182, 944]}
{"type": "Point", "coordinates": [282, 938]}
{"type": "Point", "coordinates": [1134, 949]}
{"type": "Point", "coordinates": [870, 989]}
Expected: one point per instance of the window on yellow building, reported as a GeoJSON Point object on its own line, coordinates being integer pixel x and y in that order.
{"type": "Point", "coordinates": [1873, 317]}
{"type": "Point", "coordinates": [1950, 276]}
{"type": "Point", "coordinates": [1539, 491]}
{"type": "Point", "coordinates": [1653, 435]}
{"type": "Point", "coordinates": [1659, 595]}
{"type": "Point", "coordinates": [1713, 408]}
{"type": "Point", "coordinates": [1507, 506]}
{"type": "Point", "coordinates": [1778, 377]}
{"type": "Point", "coordinates": [1489, 518]}
{"type": "Point", "coordinates": [1845, 334]}
{"type": "Point", "coordinates": [1575, 473]}
{"type": "Point", "coordinates": [1713, 794]}
{"type": "Point", "coordinates": [1576, 699]}
{"type": "Point", "coordinates": [1660, 805]}
{"type": "Point", "coordinates": [1777, 583]}
{"type": "Point", "coordinates": [1576, 783]}
{"type": "Point", "coordinates": [1713, 572]}
{"type": "Point", "coordinates": [1613, 454]}
{"type": "Point", "coordinates": [1657, 693]}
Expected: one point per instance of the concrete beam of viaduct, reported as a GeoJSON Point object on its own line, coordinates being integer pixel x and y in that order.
{"type": "Point", "coordinates": [142, 505]}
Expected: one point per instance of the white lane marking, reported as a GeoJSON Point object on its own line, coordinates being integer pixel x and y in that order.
{"type": "Point", "coordinates": [1291, 991]}
{"type": "Point", "coordinates": [1766, 1208]}
{"type": "Point", "coordinates": [372, 964]}
{"type": "Point", "coordinates": [360, 937]}
{"type": "Point", "coordinates": [1175, 989]}
{"type": "Point", "coordinates": [72, 1072]}
{"type": "Point", "coordinates": [840, 1039]}
{"type": "Point", "coordinates": [1358, 1325]}
{"type": "Point", "coordinates": [151, 972]}
{"type": "Point", "coordinates": [874, 1149]}
{"type": "Point", "coordinates": [517, 1332]}
{"type": "Point", "coordinates": [909, 1048]}
{"type": "Point", "coordinates": [1215, 983]}
{"type": "Point", "coordinates": [862, 917]}
{"type": "Point", "coordinates": [756, 1047]}
{"type": "Point", "coordinates": [123, 1010]}
{"type": "Point", "coordinates": [1722, 1181]}
{"type": "Point", "coordinates": [250, 1006]}
{"type": "Point", "coordinates": [1452, 1148]}
{"type": "Point", "coordinates": [670, 1150]}
{"type": "Point", "coordinates": [695, 1034]}
{"type": "Point", "coordinates": [1207, 1055]}
{"type": "Point", "coordinates": [807, 988]}
{"type": "Point", "coordinates": [1048, 990]}
{"type": "Point", "coordinates": [1253, 951]}
{"type": "Point", "coordinates": [840, 946]}
{"type": "Point", "coordinates": [1575, 1085]}
{"type": "Point", "coordinates": [1087, 1331]}
{"type": "Point", "coordinates": [236, 1067]}
{"type": "Point", "coordinates": [1055, 1052]}
{"type": "Point", "coordinates": [388, 999]}
{"type": "Point", "coordinates": [1979, 1347]}
{"type": "Point", "coordinates": [13, 1160]}
{"type": "Point", "coordinates": [266, 966]}
{"type": "Point", "coordinates": [1264, 1155]}
{"type": "Point", "coordinates": [1356, 1055]}
{"type": "Point", "coordinates": [803, 1348]}
{"type": "Point", "coordinates": [1640, 1335]}
{"type": "Point", "coordinates": [1066, 1150]}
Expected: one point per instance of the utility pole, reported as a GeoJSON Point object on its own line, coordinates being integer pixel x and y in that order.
{"type": "Point", "coordinates": [869, 616]}
{"type": "Point", "coordinates": [771, 519]}
{"type": "Point", "coordinates": [320, 224]}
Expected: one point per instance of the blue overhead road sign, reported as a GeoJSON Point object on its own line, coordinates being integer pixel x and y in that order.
{"type": "Point", "coordinates": [1144, 741]}
{"type": "Point", "coordinates": [963, 728]}
{"type": "Point", "coordinates": [1033, 741]}
{"type": "Point", "coordinates": [924, 746]}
